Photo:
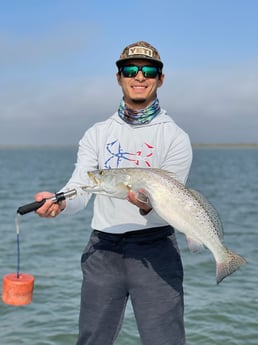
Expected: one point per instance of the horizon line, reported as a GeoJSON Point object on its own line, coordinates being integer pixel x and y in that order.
{"type": "Point", "coordinates": [194, 145]}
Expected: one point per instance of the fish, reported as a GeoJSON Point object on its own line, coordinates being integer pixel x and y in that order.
{"type": "Point", "coordinates": [185, 209]}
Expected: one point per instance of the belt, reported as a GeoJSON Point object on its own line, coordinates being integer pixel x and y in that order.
{"type": "Point", "coordinates": [154, 233]}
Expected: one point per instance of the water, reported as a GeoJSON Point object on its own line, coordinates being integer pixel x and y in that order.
{"type": "Point", "coordinates": [51, 249]}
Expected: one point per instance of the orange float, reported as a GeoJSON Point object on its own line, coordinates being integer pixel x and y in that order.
{"type": "Point", "coordinates": [17, 290]}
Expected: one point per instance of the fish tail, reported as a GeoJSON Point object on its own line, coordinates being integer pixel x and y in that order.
{"type": "Point", "coordinates": [232, 262]}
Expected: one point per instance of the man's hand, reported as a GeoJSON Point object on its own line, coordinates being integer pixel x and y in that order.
{"type": "Point", "coordinates": [140, 200]}
{"type": "Point", "coordinates": [49, 209]}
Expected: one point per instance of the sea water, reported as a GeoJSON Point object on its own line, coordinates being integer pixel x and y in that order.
{"type": "Point", "coordinates": [51, 250]}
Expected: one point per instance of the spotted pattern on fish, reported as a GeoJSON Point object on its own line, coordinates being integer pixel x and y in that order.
{"type": "Point", "coordinates": [184, 209]}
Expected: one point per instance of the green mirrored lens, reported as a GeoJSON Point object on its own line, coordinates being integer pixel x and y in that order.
{"type": "Point", "coordinates": [149, 71]}
{"type": "Point", "coordinates": [131, 71]}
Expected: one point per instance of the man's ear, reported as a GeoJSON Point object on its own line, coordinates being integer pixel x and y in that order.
{"type": "Point", "coordinates": [161, 80]}
{"type": "Point", "coordinates": [118, 77]}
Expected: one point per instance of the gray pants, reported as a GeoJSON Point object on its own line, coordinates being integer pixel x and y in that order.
{"type": "Point", "coordinates": [144, 265]}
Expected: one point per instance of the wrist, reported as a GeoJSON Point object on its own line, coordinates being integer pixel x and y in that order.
{"type": "Point", "coordinates": [144, 212]}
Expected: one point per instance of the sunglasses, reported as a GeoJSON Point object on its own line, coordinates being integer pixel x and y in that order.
{"type": "Point", "coordinates": [131, 71]}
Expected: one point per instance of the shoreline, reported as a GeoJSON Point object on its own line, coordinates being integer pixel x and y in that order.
{"type": "Point", "coordinates": [225, 145]}
{"type": "Point", "coordinates": [194, 145]}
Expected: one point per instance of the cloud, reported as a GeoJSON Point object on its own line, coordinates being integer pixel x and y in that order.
{"type": "Point", "coordinates": [215, 105]}
{"type": "Point", "coordinates": [55, 113]}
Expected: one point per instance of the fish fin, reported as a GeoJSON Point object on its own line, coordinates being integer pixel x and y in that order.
{"type": "Point", "coordinates": [164, 172]}
{"type": "Point", "coordinates": [124, 186]}
{"type": "Point", "coordinates": [194, 244]}
{"type": "Point", "coordinates": [229, 266]}
{"type": "Point", "coordinates": [210, 209]}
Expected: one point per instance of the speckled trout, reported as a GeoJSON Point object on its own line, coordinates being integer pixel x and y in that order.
{"type": "Point", "coordinates": [185, 209]}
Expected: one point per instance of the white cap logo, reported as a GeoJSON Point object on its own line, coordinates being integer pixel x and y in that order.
{"type": "Point", "coordinates": [140, 51]}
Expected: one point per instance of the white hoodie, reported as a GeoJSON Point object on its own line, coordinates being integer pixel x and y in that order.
{"type": "Point", "coordinates": [115, 144]}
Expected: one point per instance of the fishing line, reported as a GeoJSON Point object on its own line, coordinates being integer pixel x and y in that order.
{"type": "Point", "coordinates": [18, 287]}
{"type": "Point", "coordinates": [17, 222]}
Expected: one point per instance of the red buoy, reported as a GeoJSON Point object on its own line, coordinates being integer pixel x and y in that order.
{"type": "Point", "coordinates": [17, 290]}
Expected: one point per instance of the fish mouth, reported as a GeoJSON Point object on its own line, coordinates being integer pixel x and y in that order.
{"type": "Point", "coordinates": [93, 178]}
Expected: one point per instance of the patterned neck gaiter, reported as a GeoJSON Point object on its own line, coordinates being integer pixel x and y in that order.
{"type": "Point", "coordinates": [139, 117]}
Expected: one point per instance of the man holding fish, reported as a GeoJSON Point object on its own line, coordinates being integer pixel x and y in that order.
{"type": "Point", "coordinates": [132, 252]}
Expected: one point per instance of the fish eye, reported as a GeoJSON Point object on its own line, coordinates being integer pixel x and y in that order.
{"type": "Point", "coordinates": [101, 172]}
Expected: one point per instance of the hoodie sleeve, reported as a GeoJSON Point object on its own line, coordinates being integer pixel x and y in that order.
{"type": "Point", "coordinates": [179, 155]}
{"type": "Point", "coordinates": [86, 161]}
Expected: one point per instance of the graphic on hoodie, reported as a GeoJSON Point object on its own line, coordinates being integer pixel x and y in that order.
{"type": "Point", "coordinates": [117, 154]}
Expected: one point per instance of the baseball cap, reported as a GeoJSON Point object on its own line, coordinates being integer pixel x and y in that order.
{"type": "Point", "coordinates": [139, 50]}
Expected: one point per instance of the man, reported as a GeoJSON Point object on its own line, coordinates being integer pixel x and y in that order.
{"type": "Point", "coordinates": [132, 252]}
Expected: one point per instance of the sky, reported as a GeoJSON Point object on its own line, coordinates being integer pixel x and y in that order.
{"type": "Point", "coordinates": [57, 66]}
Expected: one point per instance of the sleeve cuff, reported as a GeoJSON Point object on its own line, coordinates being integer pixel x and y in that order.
{"type": "Point", "coordinates": [144, 213]}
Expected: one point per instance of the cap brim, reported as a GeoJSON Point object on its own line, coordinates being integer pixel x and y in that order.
{"type": "Point", "coordinates": [121, 62]}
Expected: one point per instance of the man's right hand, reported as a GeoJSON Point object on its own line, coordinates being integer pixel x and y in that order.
{"type": "Point", "coordinates": [50, 209]}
